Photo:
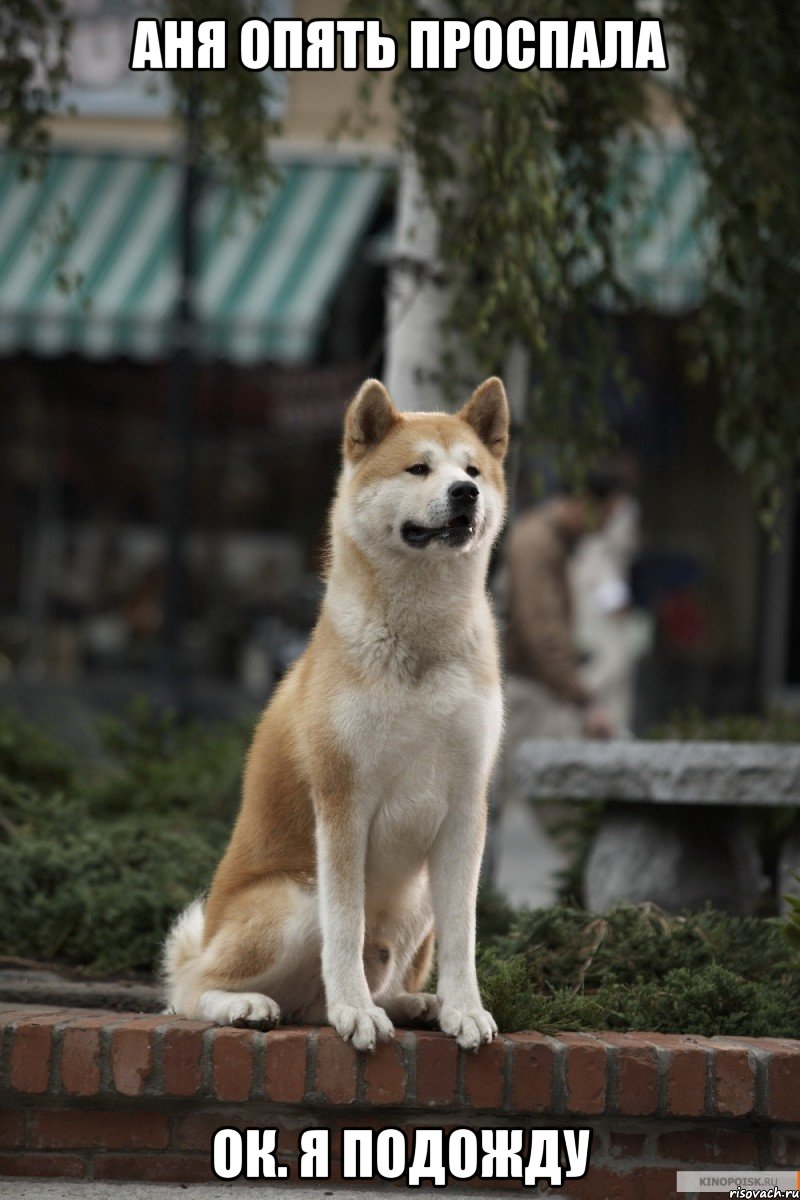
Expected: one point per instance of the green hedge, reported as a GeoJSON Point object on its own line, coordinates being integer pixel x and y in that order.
{"type": "Point", "coordinates": [637, 968]}
{"type": "Point", "coordinates": [96, 859]}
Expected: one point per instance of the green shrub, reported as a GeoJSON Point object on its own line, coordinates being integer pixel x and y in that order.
{"type": "Point", "coordinates": [100, 894]}
{"type": "Point", "coordinates": [637, 968]}
{"type": "Point", "coordinates": [567, 947]}
{"type": "Point", "coordinates": [95, 863]}
{"type": "Point", "coordinates": [691, 725]}
{"type": "Point", "coordinates": [710, 1002]}
{"type": "Point", "coordinates": [160, 765]}
{"type": "Point", "coordinates": [792, 922]}
{"type": "Point", "coordinates": [30, 756]}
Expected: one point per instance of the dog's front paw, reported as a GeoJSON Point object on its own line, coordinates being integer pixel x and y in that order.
{"type": "Point", "coordinates": [469, 1026]}
{"type": "Point", "coordinates": [361, 1026]}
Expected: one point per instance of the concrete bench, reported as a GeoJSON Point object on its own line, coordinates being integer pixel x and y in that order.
{"type": "Point", "coordinates": [672, 832]}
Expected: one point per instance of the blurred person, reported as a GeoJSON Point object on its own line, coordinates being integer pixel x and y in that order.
{"type": "Point", "coordinates": [611, 634]}
{"type": "Point", "coordinates": [547, 695]}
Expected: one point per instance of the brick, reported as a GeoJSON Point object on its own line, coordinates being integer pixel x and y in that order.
{"type": "Point", "coordinates": [78, 1129]}
{"type": "Point", "coordinates": [285, 1077]}
{"type": "Point", "coordinates": [182, 1052]}
{"type": "Point", "coordinates": [437, 1063]}
{"type": "Point", "coordinates": [770, 1044]}
{"type": "Point", "coordinates": [42, 1166]}
{"type": "Point", "coordinates": [90, 1019]}
{"type": "Point", "coordinates": [31, 1054]}
{"type": "Point", "coordinates": [64, 1012]}
{"type": "Point", "coordinates": [709, 1147]}
{"type": "Point", "coordinates": [658, 1184]}
{"type": "Point", "coordinates": [624, 1145]}
{"type": "Point", "coordinates": [385, 1073]}
{"type": "Point", "coordinates": [132, 1058]}
{"type": "Point", "coordinates": [12, 1128]}
{"type": "Point", "coordinates": [784, 1085]}
{"type": "Point", "coordinates": [531, 1073]}
{"type": "Point", "coordinates": [161, 1168]}
{"type": "Point", "coordinates": [196, 1130]}
{"type": "Point", "coordinates": [79, 1017]}
{"type": "Point", "coordinates": [785, 1148]}
{"type": "Point", "coordinates": [637, 1074]}
{"type": "Point", "coordinates": [723, 1042]}
{"type": "Point", "coordinates": [605, 1182]}
{"type": "Point", "coordinates": [585, 1074]}
{"type": "Point", "coordinates": [734, 1083]}
{"type": "Point", "coordinates": [687, 1072]}
{"type": "Point", "coordinates": [80, 1061]}
{"type": "Point", "coordinates": [484, 1082]}
{"type": "Point", "coordinates": [496, 1185]}
{"type": "Point", "coordinates": [232, 1063]}
{"type": "Point", "coordinates": [11, 1013]}
{"type": "Point", "coordinates": [376, 1122]}
{"type": "Point", "coordinates": [289, 1126]}
{"type": "Point", "coordinates": [337, 1069]}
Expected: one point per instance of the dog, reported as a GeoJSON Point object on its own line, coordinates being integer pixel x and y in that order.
{"type": "Point", "coordinates": [363, 812]}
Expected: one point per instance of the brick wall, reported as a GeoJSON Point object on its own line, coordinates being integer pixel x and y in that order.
{"type": "Point", "coordinates": [106, 1095]}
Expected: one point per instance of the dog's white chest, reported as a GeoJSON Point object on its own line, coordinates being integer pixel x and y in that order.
{"type": "Point", "coordinates": [415, 751]}
{"type": "Point", "coordinates": [392, 731]}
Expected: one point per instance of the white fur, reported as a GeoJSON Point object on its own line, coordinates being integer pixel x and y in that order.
{"type": "Point", "coordinates": [185, 941]}
{"type": "Point", "coordinates": [239, 1008]}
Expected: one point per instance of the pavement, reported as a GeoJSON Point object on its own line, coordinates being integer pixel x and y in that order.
{"type": "Point", "coordinates": [27, 982]}
{"type": "Point", "coordinates": [63, 1189]}
{"type": "Point", "coordinates": [527, 859]}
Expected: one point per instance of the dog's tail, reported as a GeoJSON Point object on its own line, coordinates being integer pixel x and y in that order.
{"type": "Point", "coordinates": [180, 959]}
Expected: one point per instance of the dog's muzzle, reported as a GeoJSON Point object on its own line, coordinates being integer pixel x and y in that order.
{"type": "Point", "coordinates": [462, 499]}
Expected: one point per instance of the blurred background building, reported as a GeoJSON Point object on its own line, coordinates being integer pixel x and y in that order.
{"type": "Point", "coordinates": [288, 315]}
{"type": "Point", "coordinates": [289, 312]}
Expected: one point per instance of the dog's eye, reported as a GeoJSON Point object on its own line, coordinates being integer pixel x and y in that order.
{"type": "Point", "coordinates": [419, 469]}
{"type": "Point", "coordinates": [472, 471]}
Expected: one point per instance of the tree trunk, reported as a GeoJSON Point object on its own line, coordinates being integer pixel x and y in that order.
{"type": "Point", "coordinates": [417, 300]}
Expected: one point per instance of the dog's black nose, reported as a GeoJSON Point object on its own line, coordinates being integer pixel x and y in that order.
{"type": "Point", "coordinates": [462, 494]}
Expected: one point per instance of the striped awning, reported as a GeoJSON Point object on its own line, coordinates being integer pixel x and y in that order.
{"type": "Point", "coordinates": [663, 245]}
{"type": "Point", "coordinates": [89, 257]}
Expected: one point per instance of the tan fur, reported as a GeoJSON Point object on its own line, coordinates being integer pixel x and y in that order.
{"type": "Point", "coordinates": [301, 785]}
{"type": "Point", "coordinates": [420, 969]}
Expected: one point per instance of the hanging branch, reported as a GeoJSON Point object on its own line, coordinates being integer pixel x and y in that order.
{"type": "Point", "coordinates": [34, 36]}
{"type": "Point", "coordinates": [518, 168]}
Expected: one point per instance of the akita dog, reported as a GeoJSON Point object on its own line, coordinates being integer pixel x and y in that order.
{"type": "Point", "coordinates": [363, 814]}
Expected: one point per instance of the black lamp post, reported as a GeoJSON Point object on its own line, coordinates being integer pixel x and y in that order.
{"type": "Point", "coordinates": [181, 393]}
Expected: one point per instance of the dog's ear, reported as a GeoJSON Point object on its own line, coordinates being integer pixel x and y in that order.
{"type": "Point", "coordinates": [369, 418]}
{"type": "Point", "coordinates": [487, 412]}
